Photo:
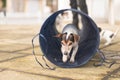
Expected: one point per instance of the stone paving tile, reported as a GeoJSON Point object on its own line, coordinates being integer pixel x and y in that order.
{"type": "Point", "coordinates": [28, 66]}
{"type": "Point", "coordinates": [18, 63]}
{"type": "Point", "coordinates": [18, 75]}
{"type": "Point", "coordinates": [21, 48]}
{"type": "Point", "coordinates": [10, 56]}
{"type": "Point", "coordinates": [15, 47]}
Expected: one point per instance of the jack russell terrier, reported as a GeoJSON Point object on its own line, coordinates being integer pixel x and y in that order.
{"type": "Point", "coordinates": [107, 35]}
{"type": "Point", "coordinates": [69, 42]}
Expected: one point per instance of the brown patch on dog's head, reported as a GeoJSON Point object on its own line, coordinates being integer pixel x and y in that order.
{"type": "Point", "coordinates": [76, 37]}
{"type": "Point", "coordinates": [71, 37]}
{"type": "Point", "coordinates": [66, 42]}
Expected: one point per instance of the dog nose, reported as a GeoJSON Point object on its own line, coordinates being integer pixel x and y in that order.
{"type": "Point", "coordinates": [65, 53]}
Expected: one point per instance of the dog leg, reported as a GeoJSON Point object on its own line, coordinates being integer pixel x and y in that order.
{"type": "Point", "coordinates": [72, 59]}
{"type": "Point", "coordinates": [65, 58]}
{"type": "Point", "coordinates": [108, 41]}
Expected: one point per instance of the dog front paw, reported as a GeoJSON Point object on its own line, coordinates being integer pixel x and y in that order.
{"type": "Point", "coordinates": [72, 60]}
{"type": "Point", "coordinates": [64, 59]}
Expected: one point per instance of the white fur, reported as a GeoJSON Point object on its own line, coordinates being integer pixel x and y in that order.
{"type": "Point", "coordinates": [67, 48]}
{"type": "Point", "coordinates": [75, 48]}
{"type": "Point", "coordinates": [105, 34]}
{"type": "Point", "coordinates": [61, 21]}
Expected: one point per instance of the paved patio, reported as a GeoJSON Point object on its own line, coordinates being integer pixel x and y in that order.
{"type": "Point", "coordinates": [18, 63]}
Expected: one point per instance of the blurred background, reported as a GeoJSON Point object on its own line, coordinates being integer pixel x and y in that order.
{"type": "Point", "coordinates": [35, 11]}
{"type": "Point", "coordinates": [20, 20]}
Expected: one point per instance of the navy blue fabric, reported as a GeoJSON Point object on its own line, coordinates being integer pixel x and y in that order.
{"type": "Point", "coordinates": [89, 41]}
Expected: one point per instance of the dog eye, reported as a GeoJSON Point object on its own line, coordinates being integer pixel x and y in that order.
{"type": "Point", "coordinates": [70, 44]}
{"type": "Point", "coordinates": [62, 43]}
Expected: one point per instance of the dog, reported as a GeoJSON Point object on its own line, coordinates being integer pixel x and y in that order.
{"type": "Point", "coordinates": [63, 19]}
{"type": "Point", "coordinates": [69, 42]}
{"type": "Point", "coordinates": [107, 35]}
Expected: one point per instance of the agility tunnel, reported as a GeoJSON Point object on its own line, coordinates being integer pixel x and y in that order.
{"type": "Point", "coordinates": [51, 46]}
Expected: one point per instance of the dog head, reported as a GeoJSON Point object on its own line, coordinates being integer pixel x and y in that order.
{"type": "Point", "coordinates": [99, 29]}
{"type": "Point", "coordinates": [67, 43]}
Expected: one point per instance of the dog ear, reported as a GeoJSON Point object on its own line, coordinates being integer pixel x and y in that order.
{"type": "Point", "coordinates": [76, 37]}
{"type": "Point", "coordinates": [99, 29]}
{"type": "Point", "coordinates": [58, 35]}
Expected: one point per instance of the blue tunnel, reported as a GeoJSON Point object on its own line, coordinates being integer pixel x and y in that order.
{"type": "Point", "coordinates": [51, 47]}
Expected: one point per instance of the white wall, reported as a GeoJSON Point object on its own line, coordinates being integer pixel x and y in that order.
{"type": "Point", "coordinates": [98, 9]}
{"type": "Point", "coordinates": [63, 4]}
{"type": "Point", "coordinates": [117, 10]}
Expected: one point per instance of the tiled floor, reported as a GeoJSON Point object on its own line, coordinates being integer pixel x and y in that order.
{"type": "Point", "coordinates": [18, 63]}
